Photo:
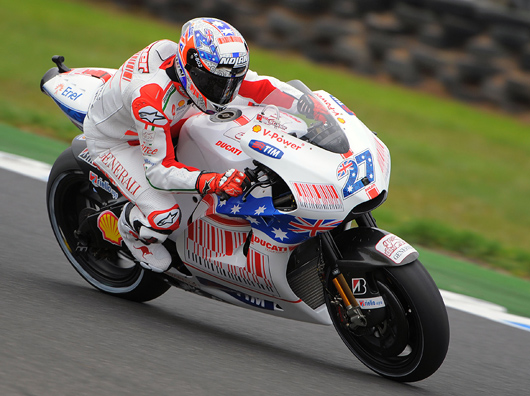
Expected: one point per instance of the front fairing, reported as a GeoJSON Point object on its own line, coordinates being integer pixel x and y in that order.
{"type": "Point", "coordinates": [326, 185]}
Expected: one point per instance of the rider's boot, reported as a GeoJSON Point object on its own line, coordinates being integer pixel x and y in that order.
{"type": "Point", "coordinates": [144, 242]}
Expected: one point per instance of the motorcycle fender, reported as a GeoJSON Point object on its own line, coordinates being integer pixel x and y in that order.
{"type": "Point", "coordinates": [366, 247]}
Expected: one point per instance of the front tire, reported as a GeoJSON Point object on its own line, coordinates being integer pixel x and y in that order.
{"type": "Point", "coordinates": [411, 341]}
{"type": "Point", "coordinates": [113, 271]}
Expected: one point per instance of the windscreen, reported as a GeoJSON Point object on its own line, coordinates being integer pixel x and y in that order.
{"type": "Point", "coordinates": [327, 135]}
{"type": "Point", "coordinates": [323, 130]}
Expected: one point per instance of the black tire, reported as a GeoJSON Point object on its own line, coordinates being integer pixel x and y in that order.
{"type": "Point", "coordinates": [410, 342]}
{"type": "Point", "coordinates": [68, 193]}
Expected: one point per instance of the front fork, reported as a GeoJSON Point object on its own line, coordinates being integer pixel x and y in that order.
{"type": "Point", "coordinates": [353, 309]}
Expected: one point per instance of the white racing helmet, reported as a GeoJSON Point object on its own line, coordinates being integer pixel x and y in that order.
{"type": "Point", "coordinates": [212, 61]}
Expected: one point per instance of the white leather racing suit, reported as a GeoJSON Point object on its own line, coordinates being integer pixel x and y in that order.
{"type": "Point", "coordinates": [134, 117]}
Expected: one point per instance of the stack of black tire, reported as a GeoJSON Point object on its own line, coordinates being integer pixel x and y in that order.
{"type": "Point", "coordinates": [478, 50]}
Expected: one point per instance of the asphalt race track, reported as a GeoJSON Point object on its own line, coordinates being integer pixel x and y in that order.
{"type": "Point", "coordinates": [59, 336]}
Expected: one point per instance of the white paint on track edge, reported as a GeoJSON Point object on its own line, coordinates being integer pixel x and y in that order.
{"type": "Point", "coordinates": [25, 166]}
{"type": "Point", "coordinates": [40, 171]}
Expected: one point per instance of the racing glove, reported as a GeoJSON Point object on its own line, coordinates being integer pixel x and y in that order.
{"type": "Point", "coordinates": [229, 184]}
{"type": "Point", "coordinates": [312, 108]}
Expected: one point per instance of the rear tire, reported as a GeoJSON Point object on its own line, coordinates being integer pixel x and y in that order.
{"type": "Point", "coordinates": [69, 192]}
{"type": "Point", "coordinates": [411, 342]}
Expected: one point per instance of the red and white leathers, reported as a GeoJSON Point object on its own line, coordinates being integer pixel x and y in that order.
{"type": "Point", "coordinates": [129, 130]}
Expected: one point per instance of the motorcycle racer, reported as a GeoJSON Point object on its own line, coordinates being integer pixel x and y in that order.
{"type": "Point", "coordinates": [136, 116]}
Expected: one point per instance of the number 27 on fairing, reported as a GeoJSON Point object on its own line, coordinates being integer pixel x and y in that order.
{"type": "Point", "coordinates": [350, 168]}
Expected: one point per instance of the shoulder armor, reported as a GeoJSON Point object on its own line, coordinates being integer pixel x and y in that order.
{"type": "Point", "coordinates": [147, 107]}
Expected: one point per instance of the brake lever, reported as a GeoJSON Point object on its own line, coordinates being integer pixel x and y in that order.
{"type": "Point", "coordinates": [265, 183]}
{"type": "Point", "coordinates": [253, 176]}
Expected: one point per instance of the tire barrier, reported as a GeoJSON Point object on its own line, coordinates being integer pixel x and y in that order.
{"type": "Point", "coordinates": [475, 50]}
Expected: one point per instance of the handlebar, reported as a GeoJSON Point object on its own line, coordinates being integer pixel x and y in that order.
{"type": "Point", "coordinates": [254, 176]}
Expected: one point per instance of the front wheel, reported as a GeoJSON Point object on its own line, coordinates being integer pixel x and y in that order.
{"type": "Point", "coordinates": [70, 195]}
{"type": "Point", "coordinates": [407, 339]}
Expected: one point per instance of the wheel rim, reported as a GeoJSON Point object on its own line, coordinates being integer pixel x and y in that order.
{"type": "Point", "coordinates": [394, 347]}
{"type": "Point", "coordinates": [72, 192]}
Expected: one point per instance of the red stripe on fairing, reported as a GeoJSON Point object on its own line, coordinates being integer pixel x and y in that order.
{"type": "Point", "coordinates": [262, 90]}
{"type": "Point", "coordinates": [229, 242]}
{"type": "Point", "coordinates": [258, 265]}
{"type": "Point", "coordinates": [347, 155]}
{"type": "Point", "coordinates": [243, 120]}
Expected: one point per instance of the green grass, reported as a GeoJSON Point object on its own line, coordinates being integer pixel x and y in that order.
{"type": "Point", "coordinates": [29, 145]}
{"type": "Point", "coordinates": [459, 174]}
{"type": "Point", "coordinates": [473, 280]}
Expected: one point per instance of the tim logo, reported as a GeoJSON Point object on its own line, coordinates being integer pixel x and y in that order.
{"type": "Point", "coordinates": [358, 286]}
{"type": "Point", "coordinates": [265, 149]}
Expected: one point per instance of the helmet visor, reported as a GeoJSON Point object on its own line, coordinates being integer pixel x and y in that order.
{"type": "Point", "coordinates": [218, 89]}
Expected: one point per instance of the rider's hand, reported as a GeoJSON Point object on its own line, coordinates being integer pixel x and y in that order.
{"type": "Point", "coordinates": [229, 184]}
{"type": "Point", "coordinates": [312, 108]}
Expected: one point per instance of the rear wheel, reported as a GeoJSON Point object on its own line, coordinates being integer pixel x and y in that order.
{"type": "Point", "coordinates": [70, 197]}
{"type": "Point", "coordinates": [407, 339]}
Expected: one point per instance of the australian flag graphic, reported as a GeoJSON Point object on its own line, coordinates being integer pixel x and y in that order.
{"type": "Point", "coordinates": [262, 215]}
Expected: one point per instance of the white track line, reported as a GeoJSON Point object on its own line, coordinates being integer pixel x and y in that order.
{"type": "Point", "coordinates": [40, 171]}
{"type": "Point", "coordinates": [25, 166]}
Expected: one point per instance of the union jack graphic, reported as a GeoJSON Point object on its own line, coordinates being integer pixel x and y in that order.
{"type": "Point", "coordinates": [207, 50]}
{"type": "Point", "coordinates": [344, 168]}
{"type": "Point", "coordinates": [313, 227]}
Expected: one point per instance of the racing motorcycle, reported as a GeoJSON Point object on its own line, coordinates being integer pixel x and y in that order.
{"type": "Point", "coordinates": [300, 243]}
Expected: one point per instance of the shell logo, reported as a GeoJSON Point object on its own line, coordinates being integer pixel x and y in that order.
{"type": "Point", "coordinates": [256, 128]}
{"type": "Point", "coordinates": [341, 120]}
{"type": "Point", "coordinates": [181, 103]}
{"type": "Point", "coordinates": [108, 225]}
